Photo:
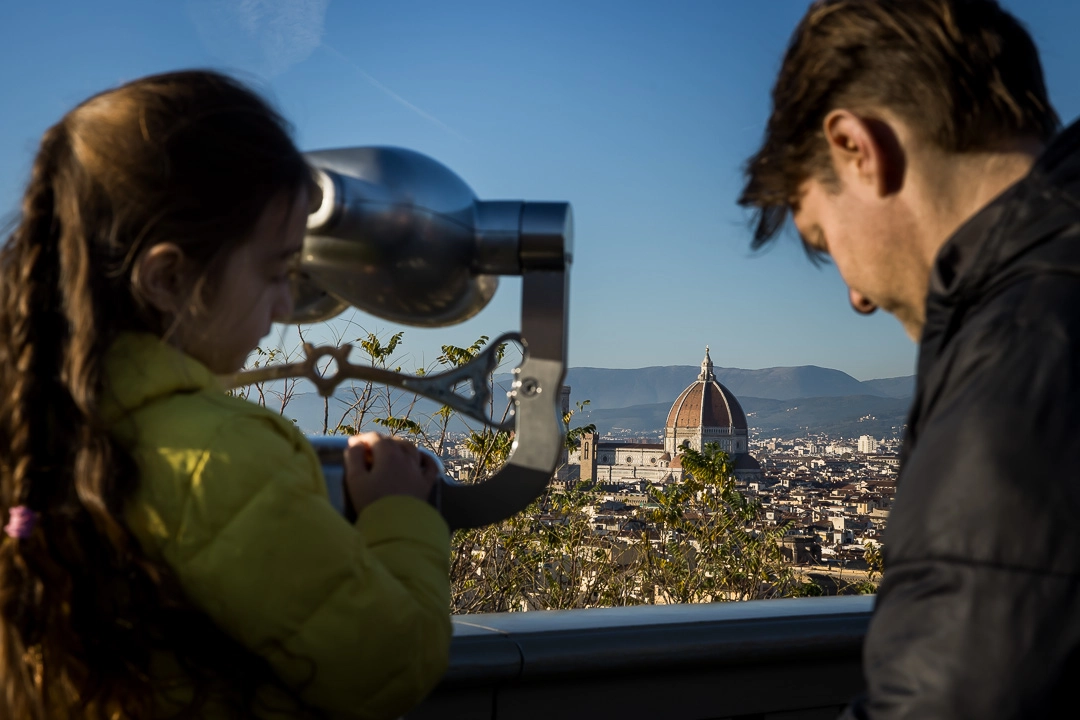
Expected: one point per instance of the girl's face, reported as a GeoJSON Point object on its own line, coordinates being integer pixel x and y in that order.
{"type": "Point", "coordinates": [252, 291]}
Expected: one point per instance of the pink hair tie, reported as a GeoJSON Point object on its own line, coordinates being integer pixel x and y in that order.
{"type": "Point", "coordinates": [20, 522]}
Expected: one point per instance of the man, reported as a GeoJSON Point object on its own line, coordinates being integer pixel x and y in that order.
{"type": "Point", "coordinates": [913, 142]}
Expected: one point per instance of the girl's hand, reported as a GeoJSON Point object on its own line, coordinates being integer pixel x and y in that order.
{"type": "Point", "coordinates": [378, 465]}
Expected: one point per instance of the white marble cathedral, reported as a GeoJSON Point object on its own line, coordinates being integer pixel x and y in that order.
{"type": "Point", "coordinates": [704, 412]}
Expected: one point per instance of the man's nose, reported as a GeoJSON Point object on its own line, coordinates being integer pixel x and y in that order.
{"type": "Point", "coordinates": [860, 303]}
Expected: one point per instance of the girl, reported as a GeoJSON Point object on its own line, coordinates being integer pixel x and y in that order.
{"type": "Point", "coordinates": [169, 550]}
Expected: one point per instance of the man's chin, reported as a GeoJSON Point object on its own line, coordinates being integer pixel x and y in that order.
{"type": "Point", "coordinates": [913, 327]}
{"type": "Point", "coordinates": [911, 320]}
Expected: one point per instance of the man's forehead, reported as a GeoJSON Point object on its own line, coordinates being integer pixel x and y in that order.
{"type": "Point", "coordinates": [797, 201]}
{"type": "Point", "coordinates": [804, 190]}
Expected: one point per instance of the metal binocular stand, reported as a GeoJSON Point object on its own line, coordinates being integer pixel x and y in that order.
{"type": "Point", "coordinates": [400, 236]}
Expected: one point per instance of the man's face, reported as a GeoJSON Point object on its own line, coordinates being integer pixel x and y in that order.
{"type": "Point", "coordinates": [871, 240]}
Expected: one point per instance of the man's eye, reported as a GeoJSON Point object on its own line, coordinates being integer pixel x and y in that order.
{"type": "Point", "coordinates": [816, 254]}
{"type": "Point", "coordinates": [814, 247]}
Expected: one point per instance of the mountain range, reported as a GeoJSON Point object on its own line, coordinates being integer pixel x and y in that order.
{"type": "Point", "coordinates": [608, 388]}
{"type": "Point", "coordinates": [779, 402]}
{"type": "Point", "coordinates": [845, 416]}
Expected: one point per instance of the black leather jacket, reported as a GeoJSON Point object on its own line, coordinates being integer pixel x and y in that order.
{"type": "Point", "coordinates": [978, 615]}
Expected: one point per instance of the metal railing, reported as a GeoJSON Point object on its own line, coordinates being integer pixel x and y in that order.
{"type": "Point", "coordinates": [769, 660]}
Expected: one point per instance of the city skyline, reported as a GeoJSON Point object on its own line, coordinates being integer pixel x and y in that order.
{"type": "Point", "coordinates": [639, 115]}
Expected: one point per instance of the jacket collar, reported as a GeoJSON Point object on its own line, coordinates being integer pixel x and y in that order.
{"type": "Point", "coordinates": [1024, 215]}
{"type": "Point", "coordinates": [140, 368]}
{"type": "Point", "coordinates": [1014, 235]}
{"type": "Point", "coordinates": [996, 244]}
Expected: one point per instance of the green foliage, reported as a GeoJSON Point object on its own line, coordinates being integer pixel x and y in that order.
{"type": "Point", "coordinates": [807, 588]}
{"type": "Point", "coordinates": [457, 356]}
{"type": "Point", "coordinates": [547, 557]}
{"type": "Point", "coordinates": [714, 544]}
{"type": "Point", "coordinates": [701, 541]}
{"type": "Point", "coordinates": [367, 399]}
{"type": "Point", "coordinates": [487, 449]}
{"type": "Point", "coordinates": [574, 434]}
{"type": "Point", "coordinates": [864, 587]}
{"type": "Point", "coordinates": [875, 561]}
{"type": "Point", "coordinates": [397, 425]}
{"type": "Point", "coordinates": [378, 351]}
{"type": "Point", "coordinates": [490, 449]}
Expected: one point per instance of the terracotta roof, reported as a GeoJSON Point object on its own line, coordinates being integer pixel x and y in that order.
{"type": "Point", "coordinates": [706, 403]}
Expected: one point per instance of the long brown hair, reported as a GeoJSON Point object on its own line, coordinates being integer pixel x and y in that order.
{"type": "Point", "coordinates": [192, 158]}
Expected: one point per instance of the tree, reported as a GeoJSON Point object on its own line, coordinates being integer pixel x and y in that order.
{"type": "Point", "coordinates": [874, 559]}
{"type": "Point", "coordinates": [490, 447]}
{"type": "Point", "coordinates": [574, 434]}
{"type": "Point", "coordinates": [713, 542]}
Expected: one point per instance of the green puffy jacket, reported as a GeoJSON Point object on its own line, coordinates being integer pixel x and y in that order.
{"type": "Point", "coordinates": [232, 497]}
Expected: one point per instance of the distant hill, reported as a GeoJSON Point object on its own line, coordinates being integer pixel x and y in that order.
{"type": "Point", "coordinates": [609, 388]}
{"type": "Point", "coordinates": [897, 387]}
{"type": "Point", "coordinates": [848, 416]}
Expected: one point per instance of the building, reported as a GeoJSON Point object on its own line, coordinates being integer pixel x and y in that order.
{"type": "Point", "coordinates": [868, 445]}
{"type": "Point", "coordinates": [705, 412]}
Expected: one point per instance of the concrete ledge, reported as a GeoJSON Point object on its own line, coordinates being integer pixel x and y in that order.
{"type": "Point", "coordinates": [759, 659]}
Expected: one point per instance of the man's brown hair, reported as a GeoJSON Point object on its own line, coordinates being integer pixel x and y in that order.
{"type": "Point", "coordinates": [963, 74]}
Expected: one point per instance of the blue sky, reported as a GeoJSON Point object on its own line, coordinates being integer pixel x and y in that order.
{"type": "Point", "coordinates": [639, 113]}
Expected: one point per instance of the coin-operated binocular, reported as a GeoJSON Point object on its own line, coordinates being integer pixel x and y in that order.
{"type": "Point", "coordinates": [400, 236]}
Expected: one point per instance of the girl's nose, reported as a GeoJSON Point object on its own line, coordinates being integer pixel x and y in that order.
{"type": "Point", "coordinates": [283, 303]}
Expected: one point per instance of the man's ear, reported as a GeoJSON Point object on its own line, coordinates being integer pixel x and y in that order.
{"type": "Point", "coordinates": [160, 278]}
{"type": "Point", "coordinates": [865, 151]}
